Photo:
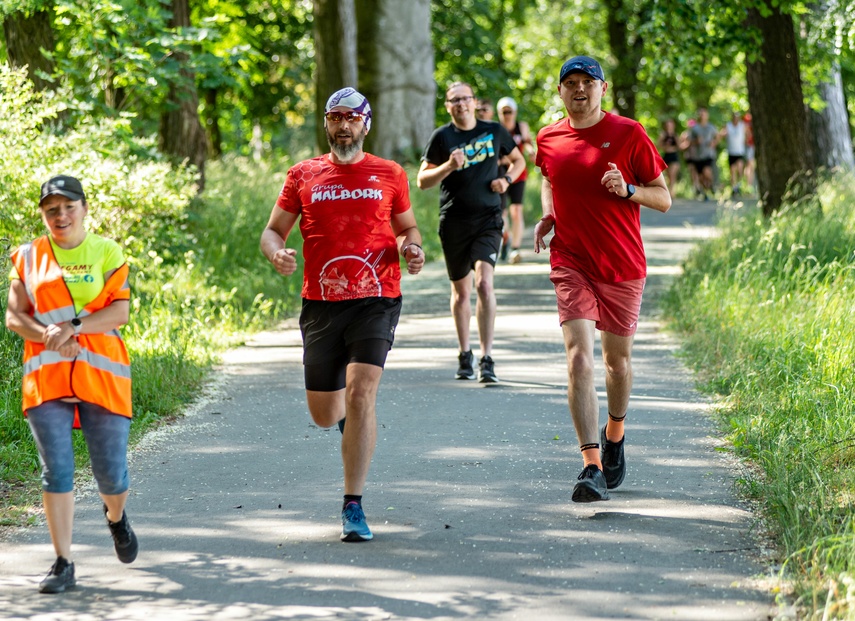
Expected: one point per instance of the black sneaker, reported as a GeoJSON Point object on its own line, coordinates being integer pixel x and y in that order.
{"type": "Point", "coordinates": [124, 539]}
{"type": "Point", "coordinates": [465, 369]}
{"type": "Point", "coordinates": [487, 374]}
{"type": "Point", "coordinates": [591, 486]}
{"type": "Point", "coordinates": [59, 578]}
{"type": "Point", "coordinates": [614, 463]}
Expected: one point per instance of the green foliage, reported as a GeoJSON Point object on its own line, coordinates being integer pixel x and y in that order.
{"type": "Point", "coordinates": [252, 63]}
{"type": "Point", "coordinates": [243, 287]}
{"type": "Point", "coordinates": [766, 313]}
{"type": "Point", "coordinates": [270, 86]}
{"type": "Point", "coordinates": [690, 57]}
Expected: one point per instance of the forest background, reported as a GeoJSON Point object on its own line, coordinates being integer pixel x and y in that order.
{"type": "Point", "coordinates": [182, 116]}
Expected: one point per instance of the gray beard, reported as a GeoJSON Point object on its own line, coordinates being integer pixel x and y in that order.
{"type": "Point", "coordinates": [347, 152]}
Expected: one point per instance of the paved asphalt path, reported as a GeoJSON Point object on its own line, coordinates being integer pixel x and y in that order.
{"type": "Point", "coordinates": [237, 505]}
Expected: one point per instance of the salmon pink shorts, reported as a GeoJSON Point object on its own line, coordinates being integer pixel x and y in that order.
{"type": "Point", "coordinates": [613, 306]}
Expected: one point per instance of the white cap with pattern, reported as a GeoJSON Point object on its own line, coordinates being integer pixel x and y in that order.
{"type": "Point", "coordinates": [349, 97]}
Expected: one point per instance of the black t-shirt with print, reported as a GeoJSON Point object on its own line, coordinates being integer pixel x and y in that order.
{"type": "Point", "coordinates": [465, 194]}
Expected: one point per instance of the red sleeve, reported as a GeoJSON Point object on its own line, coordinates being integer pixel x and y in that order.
{"type": "Point", "coordinates": [402, 191]}
{"type": "Point", "coordinates": [289, 197]}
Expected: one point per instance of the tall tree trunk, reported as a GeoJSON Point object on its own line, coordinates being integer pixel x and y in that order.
{"type": "Point", "coordinates": [831, 141]}
{"type": "Point", "coordinates": [26, 36]}
{"type": "Point", "coordinates": [212, 122]}
{"type": "Point", "coordinates": [628, 50]}
{"type": "Point", "coordinates": [828, 129]}
{"type": "Point", "coordinates": [181, 132]}
{"type": "Point", "coordinates": [335, 55]}
{"type": "Point", "coordinates": [396, 75]}
{"type": "Point", "coordinates": [778, 112]}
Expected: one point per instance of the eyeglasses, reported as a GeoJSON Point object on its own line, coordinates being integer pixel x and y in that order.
{"type": "Point", "coordinates": [338, 117]}
{"type": "Point", "coordinates": [459, 100]}
{"type": "Point", "coordinates": [507, 111]}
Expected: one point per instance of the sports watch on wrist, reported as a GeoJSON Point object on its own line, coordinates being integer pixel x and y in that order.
{"type": "Point", "coordinates": [630, 190]}
{"type": "Point", "coordinates": [76, 324]}
{"type": "Point", "coordinates": [508, 179]}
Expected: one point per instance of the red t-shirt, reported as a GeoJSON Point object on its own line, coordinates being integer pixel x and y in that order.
{"type": "Point", "coordinates": [597, 232]}
{"type": "Point", "coordinates": [349, 248]}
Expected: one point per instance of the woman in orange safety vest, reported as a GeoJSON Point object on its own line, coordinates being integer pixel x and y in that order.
{"type": "Point", "coordinates": [68, 296]}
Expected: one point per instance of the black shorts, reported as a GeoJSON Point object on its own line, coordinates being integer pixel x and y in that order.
{"type": "Point", "coordinates": [466, 241]}
{"type": "Point", "coordinates": [702, 165]}
{"type": "Point", "coordinates": [338, 333]}
{"type": "Point", "coordinates": [516, 192]}
{"type": "Point", "coordinates": [671, 158]}
{"type": "Point", "coordinates": [733, 159]}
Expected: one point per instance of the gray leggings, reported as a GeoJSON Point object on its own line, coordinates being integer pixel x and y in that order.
{"type": "Point", "coordinates": [106, 436]}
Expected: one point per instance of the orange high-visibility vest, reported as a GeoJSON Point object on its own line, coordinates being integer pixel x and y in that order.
{"type": "Point", "coordinates": [101, 372]}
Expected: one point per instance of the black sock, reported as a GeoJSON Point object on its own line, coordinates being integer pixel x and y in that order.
{"type": "Point", "coordinates": [348, 498]}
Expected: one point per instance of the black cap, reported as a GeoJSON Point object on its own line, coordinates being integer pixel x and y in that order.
{"type": "Point", "coordinates": [585, 64]}
{"type": "Point", "coordinates": [63, 185]}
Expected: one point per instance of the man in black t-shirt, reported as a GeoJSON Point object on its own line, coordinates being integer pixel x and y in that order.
{"type": "Point", "coordinates": [463, 157]}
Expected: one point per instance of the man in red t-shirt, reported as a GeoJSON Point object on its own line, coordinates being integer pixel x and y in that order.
{"type": "Point", "coordinates": [355, 220]}
{"type": "Point", "coordinates": [597, 169]}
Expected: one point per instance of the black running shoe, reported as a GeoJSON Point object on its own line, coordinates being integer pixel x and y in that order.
{"type": "Point", "coordinates": [465, 369]}
{"type": "Point", "coordinates": [614, 463]}
{"type": "Point", "coordinates": [124, 539]}
{"type": "Point", "coordinates": [59, 578]}
{"type": "Point", "coordinates": [591, 486]}
{"type": "Point", "coordinates": [487, 372]}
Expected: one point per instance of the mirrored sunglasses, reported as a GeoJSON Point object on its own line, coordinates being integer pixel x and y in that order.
{"type": "Point", "coordinates": [338, 117]}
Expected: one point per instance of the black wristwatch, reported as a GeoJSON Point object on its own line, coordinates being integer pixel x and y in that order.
{"type": "Point", "coordinates": [630, 190]}
{"type": "Point", "coordinates": [76, 324]}
{"type": "Point", "coordinates": [509, 180]}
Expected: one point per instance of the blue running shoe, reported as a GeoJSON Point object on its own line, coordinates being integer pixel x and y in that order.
{"type": "Point", "coordinates": [353, 524]}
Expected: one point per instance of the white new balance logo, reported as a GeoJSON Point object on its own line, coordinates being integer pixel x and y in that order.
{"type": "Point", "coordinates": [606, 145]}
{"type": "Point", "coordinates": [374, 178]}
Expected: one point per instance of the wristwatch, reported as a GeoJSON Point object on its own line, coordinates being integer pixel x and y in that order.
{"type": "Point", "coordinates": [508, 179]}
{"type": "Point", "coordinates": [76, 324]}
{"type": "Point", "coordinates": [630, 190]}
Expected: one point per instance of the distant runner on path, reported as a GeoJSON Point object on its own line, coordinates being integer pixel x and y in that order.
{"type": "Point", "coordinates": [462, 157]}
{"type": "Point", "coordinates": [597, 169]}
{"type": "Point", "coordinates": [355, 219]}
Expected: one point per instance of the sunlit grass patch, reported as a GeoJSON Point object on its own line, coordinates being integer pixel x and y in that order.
{"type": "Point", "coordinates": [767, 313]}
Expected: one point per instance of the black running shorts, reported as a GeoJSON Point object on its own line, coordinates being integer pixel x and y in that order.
{"type": "Point", "coordinates": [338, 333]}
{"type": "Point", "coordinates": [466, 241]}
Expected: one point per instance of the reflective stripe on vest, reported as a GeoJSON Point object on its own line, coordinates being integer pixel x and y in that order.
{"type": "Point", "coordinates": [96, 361]}
{"type": "Point", "coordinates": [101, 372]}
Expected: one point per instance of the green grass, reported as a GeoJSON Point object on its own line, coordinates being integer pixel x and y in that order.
{"type": "Point", "coordinates": [766, 313]}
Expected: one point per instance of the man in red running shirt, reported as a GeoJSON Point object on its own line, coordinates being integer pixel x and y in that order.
{"type": "Point", "coordinates": [355, 220]}
{"type": "Point", "coordinates": [598, 168]}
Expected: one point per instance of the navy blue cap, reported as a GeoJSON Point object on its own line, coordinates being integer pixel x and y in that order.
{"type": "Point", "coordinates": [585, 64]}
